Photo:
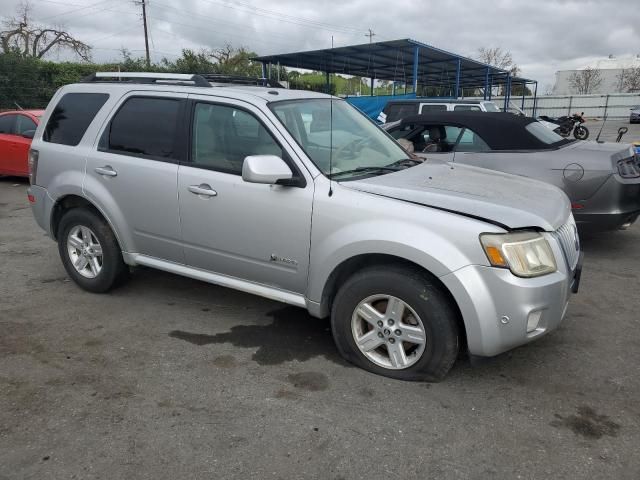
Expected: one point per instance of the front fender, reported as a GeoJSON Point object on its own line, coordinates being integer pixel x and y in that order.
{"type": "Point", "coordinates": [440, 242]}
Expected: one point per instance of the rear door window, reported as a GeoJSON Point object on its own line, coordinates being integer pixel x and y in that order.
{"type": "Point", "coordinates": [72, 116]}
{"type": "Point", "coordinates": [145, 127]}
{"type": "Point", "coordinates": [6, 124]}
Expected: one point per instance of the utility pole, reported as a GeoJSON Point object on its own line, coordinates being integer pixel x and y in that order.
{"type": "Point", "coordinates": [370, 35]}
{"type": "Point", "coordinates": [146, 36]}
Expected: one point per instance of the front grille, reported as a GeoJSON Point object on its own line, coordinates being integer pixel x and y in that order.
{"type": "Point", "coordinates": [567, 234]}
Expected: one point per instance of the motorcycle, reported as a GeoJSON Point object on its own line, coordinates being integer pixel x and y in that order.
{"type": "Point", "coordinates": [567, 125]}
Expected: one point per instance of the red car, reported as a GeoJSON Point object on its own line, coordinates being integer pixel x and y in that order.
{"type": "Point", "coordinates": [16, 131]}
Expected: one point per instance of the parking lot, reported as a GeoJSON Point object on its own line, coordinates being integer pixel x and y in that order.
{"type": "Point", "coordinates": [169, 377]}
{"type": "Point", "coordinates": [610, 129]}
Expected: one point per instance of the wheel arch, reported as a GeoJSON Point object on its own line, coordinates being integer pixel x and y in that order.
{"type": "Point", "coordinates": [71, 201]}
{"type": "Point", "coordinates": [350, 266]}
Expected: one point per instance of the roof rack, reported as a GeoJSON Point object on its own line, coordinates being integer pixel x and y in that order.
{"type": "Point", "coordinates": [240, 80]}
{"type": "Point", "coordinates": [147, 77]}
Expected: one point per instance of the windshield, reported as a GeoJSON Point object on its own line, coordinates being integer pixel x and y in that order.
{"type": "Point", "coordinates": [345, 138]}
{"type": "Point", "coordinates": [544, 134]}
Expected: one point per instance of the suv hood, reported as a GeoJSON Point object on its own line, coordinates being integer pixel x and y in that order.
{"type": "Point", "coordinates": [509, 200]}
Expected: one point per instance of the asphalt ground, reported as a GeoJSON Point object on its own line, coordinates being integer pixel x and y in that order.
{"type": "Point", "coordinates": [170, 378]}
{"type": "Point", "coordinates": [610, 130]}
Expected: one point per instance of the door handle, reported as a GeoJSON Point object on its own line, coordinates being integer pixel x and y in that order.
{"type": "Point", "coordinates": [203, 189]}
{"type": "Point", "coordinates": [107, 171]}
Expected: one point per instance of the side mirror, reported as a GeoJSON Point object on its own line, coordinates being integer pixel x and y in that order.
{"type": "Point", "coordinates": [266, 169]}
{"type": "Point", "coordinates": [28, 133]}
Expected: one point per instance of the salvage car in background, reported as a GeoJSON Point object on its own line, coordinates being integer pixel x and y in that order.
{"type": "Point", "coordinates": [602, 180]}
{"type": "Point", "coordinates": [16, 131]}
{"type": "Point", "coordinates": [634, 116]}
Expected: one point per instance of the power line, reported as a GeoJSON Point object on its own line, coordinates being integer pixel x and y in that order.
{"type": "Point", "coordinates": [263, 12]}
{"type": "Point", "coordinates": [93, 5]}
{"type": "Point", "coordinates": [200, 27]}
{"type": "Point", "coordinates": [208, 20]}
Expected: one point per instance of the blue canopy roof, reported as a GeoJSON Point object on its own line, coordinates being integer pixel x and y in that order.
{"type": "Point", "coordinates": [400, 61]}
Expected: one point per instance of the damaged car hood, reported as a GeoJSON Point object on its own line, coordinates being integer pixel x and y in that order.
{"type": "Point", "coordinates": [508, 200]}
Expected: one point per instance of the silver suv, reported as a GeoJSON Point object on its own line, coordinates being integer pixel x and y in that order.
{"type": "Point", "coordinates": [298, 197]}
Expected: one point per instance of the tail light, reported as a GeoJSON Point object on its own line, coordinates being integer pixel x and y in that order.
{"type": "Point", "coordinates": [33, 165]}
{"type": "Point", "coordinates": [629, 167]}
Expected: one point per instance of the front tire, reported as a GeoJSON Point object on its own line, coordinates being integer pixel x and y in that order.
{"type": "Point", "coordinates": [397, 322]}
{"type": "Point", "coordinates": [90, 252]}
{"type": "Point", "coordinates": [581, 133]}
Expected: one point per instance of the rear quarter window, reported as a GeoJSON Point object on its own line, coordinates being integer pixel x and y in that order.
{"type": "Point", "coordinates": [72, 116]}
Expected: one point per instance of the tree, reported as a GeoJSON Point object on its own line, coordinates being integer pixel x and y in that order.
{"type": "Point", "coordinates": [22, 36]}
{"type": "Point", "coordinates": [629, 80]}
{"type": "Point", "coordinates": [194, 62]}
{"type": "Point", "coordinates": [238, 61]}
{"type": "Point", "coordinates": [585, 81]}
{"type": "Point", "coordinates": [499, 58]}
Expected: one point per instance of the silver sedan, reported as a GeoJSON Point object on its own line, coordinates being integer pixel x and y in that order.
{"type": "Point", "coordinates": [602, 180]}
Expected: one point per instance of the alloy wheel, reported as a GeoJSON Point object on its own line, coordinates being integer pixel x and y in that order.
{"type": "Point", "coordinates": [85, 251]}
{"type": "Point", "coordinates": [388, 332]}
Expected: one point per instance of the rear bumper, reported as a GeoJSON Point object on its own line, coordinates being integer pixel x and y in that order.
{"type": "Point", "coordinates": [600, 222]}
{"type": "Point", "coordinates": [616, 203]}
{"type": "Point", "coordinates": [41, 207]}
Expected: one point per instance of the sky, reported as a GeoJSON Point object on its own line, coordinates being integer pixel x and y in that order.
{"type": "Point", "coordinates": [543, 35]}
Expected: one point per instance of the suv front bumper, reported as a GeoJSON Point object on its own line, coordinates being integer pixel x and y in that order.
{"type": "Point", "coordinates": [496, 306]}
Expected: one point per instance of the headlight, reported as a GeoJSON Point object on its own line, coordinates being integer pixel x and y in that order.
{"type": "Point", "coordinates": [526, 254]}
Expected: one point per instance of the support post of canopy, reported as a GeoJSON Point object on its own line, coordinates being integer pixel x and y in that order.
{"type": "Point", "coordinates": [486, 83]}
{"type": "Point", "coordinates": [416, 57]}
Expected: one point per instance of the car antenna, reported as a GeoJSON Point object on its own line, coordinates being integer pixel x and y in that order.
{"type": "Point", "coordinates": [18, 105]}
{"type": "Point", "coordinates": [330, 124]}
{"type": "Point", "coordinates": [601, 128]}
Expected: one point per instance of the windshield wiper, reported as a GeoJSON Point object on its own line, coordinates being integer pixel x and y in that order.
{"type": "Point", "coordinates": [365, 169]}
{"type": "Point", "coordinates": [406, 162]}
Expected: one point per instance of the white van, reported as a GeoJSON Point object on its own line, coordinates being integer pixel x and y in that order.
{"type": "Point", "coordinates": [398, 109]}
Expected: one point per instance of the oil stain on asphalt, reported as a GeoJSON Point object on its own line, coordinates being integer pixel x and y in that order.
{"type": "Point", "coordinates": [587, 423]}
{"type": "Point", "coordinates": [293, 335]}
{"type": "Point", "coordinates": [311, 381]}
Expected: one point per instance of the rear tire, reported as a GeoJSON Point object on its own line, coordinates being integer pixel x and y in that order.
{"type": "Point", "coordinates": [90, 252]}
{"type": "Point", "coordinates": [397, 322]}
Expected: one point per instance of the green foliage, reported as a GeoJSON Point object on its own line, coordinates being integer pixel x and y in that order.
{"type": "Point", "coordinates": [30, 82]}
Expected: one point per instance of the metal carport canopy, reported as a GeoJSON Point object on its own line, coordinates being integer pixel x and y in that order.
{"type": "Point", "coordinates": [407, 61]}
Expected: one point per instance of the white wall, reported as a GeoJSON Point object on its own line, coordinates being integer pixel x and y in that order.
{"type": "Point", "coordinates": [593, 106]}
{"type": "Point", "coordinates": [610, 82]}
